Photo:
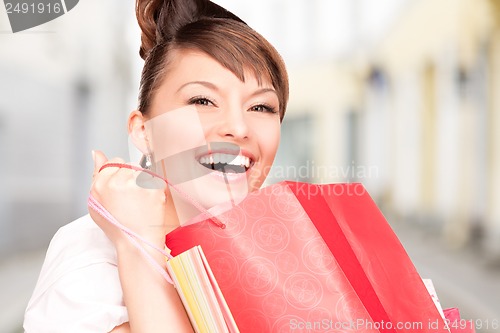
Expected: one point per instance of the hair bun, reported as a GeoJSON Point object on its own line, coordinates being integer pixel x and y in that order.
{"type": "Point", "coordinates": [159, 20]}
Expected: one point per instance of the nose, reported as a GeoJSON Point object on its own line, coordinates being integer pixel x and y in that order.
{"type": "Point", "coordinates": [233, 124]}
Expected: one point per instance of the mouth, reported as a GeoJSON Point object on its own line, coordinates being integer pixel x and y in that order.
{"type": "Point", "coordinates": [226, 162]}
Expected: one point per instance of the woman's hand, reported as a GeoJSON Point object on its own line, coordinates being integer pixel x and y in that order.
{"type": "Point", "coordinates": [152, 303]}
{"type": "Point", "coordinates": [140, 209]}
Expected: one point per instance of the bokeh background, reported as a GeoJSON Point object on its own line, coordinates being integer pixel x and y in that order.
{"type": "Point", "coordinates": [401, 95]}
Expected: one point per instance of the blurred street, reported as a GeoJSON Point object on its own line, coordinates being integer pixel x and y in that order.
{"type": "Point", "coordinates": [462, 279]}
{"type": "Point", "coordinates": [18, 276]}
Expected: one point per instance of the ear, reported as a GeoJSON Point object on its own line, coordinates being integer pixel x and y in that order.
{"type": "Point", "coordinates": [137, 131]}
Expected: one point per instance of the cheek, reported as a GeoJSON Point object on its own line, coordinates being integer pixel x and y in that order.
{"type": "Point", "coordinates": [175, 132]}
{"type": "Point", "coordinates": [269, 139]}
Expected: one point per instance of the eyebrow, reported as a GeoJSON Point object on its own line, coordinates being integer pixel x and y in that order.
{"type": "Point", "coordinates": [264, 91]}
{"type": "Point", "coordinates": [212, 86]}
{"type": "Point", "coordinates": [207, 84]}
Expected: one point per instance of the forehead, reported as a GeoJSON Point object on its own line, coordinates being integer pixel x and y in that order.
{"type": "Point", "coordinates": [186, 66]}
{"type": "Point", "coordinates": [190, 62]}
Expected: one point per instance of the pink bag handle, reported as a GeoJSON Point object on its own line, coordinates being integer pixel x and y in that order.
{"type": "Point", "coordinates": [133, 236]}
{"type": "Point", "coordinates": [95, 205]}
{"type": "Point", "coordinates": [212, 218]}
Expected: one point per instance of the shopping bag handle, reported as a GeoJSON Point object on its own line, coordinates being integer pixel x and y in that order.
{"type": "Point", "coordinates": [133, 236]}
{"type": "Point", "coordinates": [186, 196]}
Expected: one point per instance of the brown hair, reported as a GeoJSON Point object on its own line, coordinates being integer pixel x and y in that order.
{"type": "Point", "coordinates": [203, 25]}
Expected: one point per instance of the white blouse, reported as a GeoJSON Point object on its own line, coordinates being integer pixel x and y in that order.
{"type": "Point", "coordinates": [78, 289]}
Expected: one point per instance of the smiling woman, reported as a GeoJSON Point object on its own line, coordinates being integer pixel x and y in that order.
{"type": "Point", "coordinates": [209, 129]}
{"type": "Point", "coordinates": [212, 96]}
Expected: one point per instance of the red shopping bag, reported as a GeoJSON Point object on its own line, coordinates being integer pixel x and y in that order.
{"type": "Point", "coordinates": [457, 324]}
{"type": "Point", "coordinates": [296, 257]}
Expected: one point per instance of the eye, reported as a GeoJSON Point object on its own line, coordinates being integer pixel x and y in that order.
{"type": "Point", "coordinates": [263, 108]}
{"type": "Point", "coordinates": [203, 101]}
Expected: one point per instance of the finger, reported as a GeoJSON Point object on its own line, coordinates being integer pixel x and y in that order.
{"type": "Point", "coordinates": [99, 160]}
{"type": "Point", "coordinates": [107, 168]}
{"type": "Point", "coordinates": [116, 160]}
{"type": "Point", "coordinates": [102, 176]}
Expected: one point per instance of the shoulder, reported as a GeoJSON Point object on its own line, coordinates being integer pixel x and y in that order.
{"type": "Point", "coordinates": [76, 245]}
{"type": "Point", "coordinates": [82, 230]}
{"type": "Point", "coordinates": [78, 284]}
{"type": "Point", "coordinates": [80, 242]}
{"type": "Point", "coordinates": [80, 235]}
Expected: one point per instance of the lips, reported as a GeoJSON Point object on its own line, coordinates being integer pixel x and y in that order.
{"type": "Point", "coordinates": [226, 162]}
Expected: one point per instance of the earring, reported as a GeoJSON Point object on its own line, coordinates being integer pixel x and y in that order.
{"type": "Point", "coordinates": [148, 159]}
{"type": "Point", "coordinates": [149, 163]}
{"type": "Point", "coordinates": [146, 162]}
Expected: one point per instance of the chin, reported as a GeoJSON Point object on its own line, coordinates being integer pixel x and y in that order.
{"type": "Point", "coordinates": [215, 175]}
{"type": "Point", "coordinates": [211, 192]}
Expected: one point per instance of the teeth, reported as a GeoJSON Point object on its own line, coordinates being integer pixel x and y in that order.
{"type": "Point", "coordinates": [241, 160]}
{"type": "Point", "coordinates": [235, 160]}
{"type": "Point", "coordinates": [225, 158]}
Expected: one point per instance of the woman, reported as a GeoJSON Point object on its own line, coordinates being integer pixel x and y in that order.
{"type": "Point", "coordinates": [208, 81]}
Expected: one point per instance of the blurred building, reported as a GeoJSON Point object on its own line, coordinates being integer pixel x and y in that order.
{"type": "Point", "coordinates": [66, 88]}
{"type": "Point", "coordinates": [430, 107]}
{"type": "Point", "coordinates": [413, 113]}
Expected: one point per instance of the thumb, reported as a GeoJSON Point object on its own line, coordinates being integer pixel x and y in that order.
{"type": "Point", "coordinates": [99, 160]}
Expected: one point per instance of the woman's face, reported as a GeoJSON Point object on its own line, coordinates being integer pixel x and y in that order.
{"type": "Point", "coordinates": [212, 134]}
